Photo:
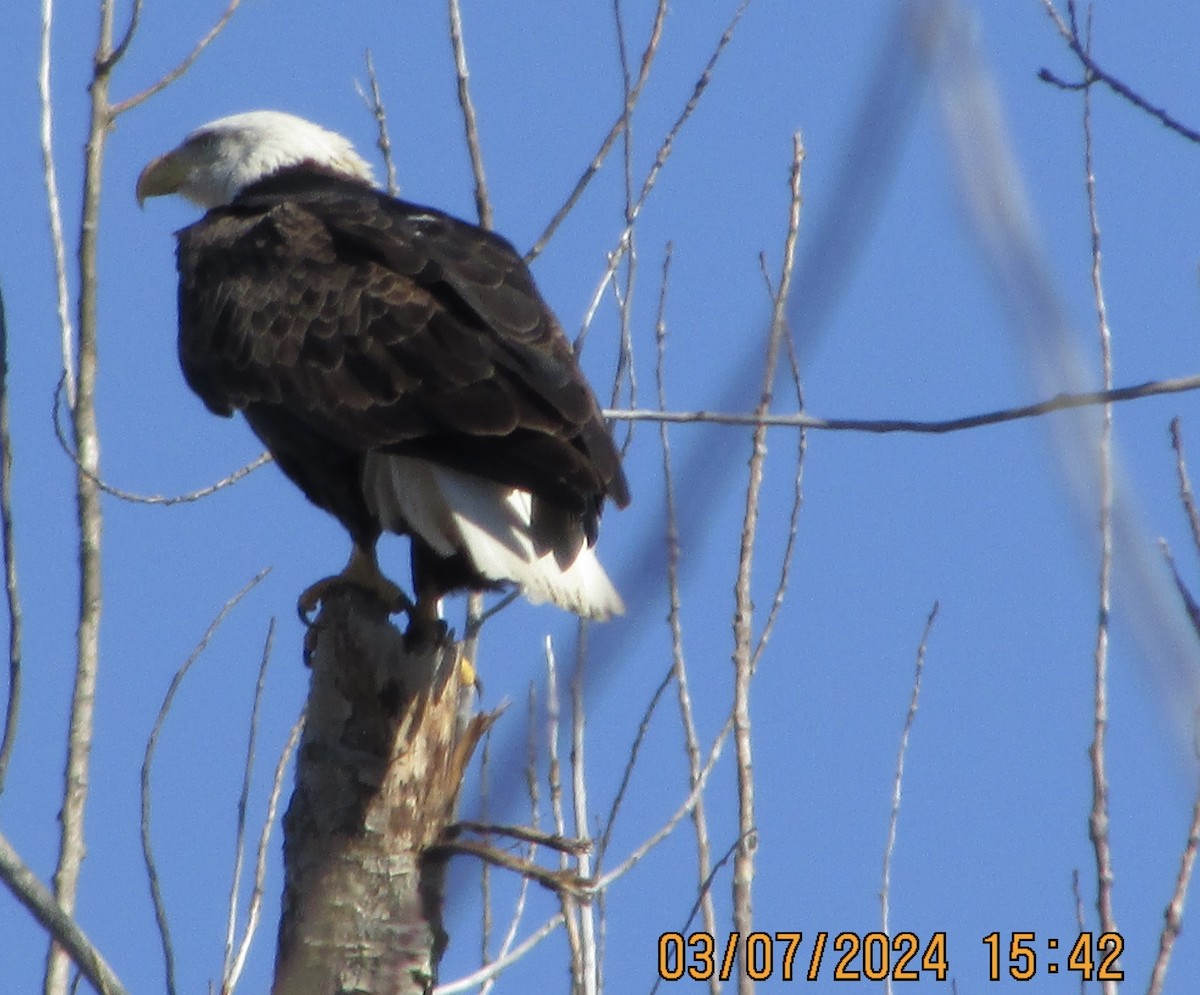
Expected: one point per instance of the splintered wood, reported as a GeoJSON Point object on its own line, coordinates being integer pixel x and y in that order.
{"type": "Point", "coordinates": [388, 738]}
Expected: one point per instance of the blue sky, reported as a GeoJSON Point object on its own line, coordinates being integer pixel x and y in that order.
{"type": "Point", "coordinates": [994, 818]}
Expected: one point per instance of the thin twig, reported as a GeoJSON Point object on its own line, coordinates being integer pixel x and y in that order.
{"type": "Point", "coordinates": [160, 910]}
{"type": "Point", "coordinates": [705, 890]}
{"type": "Point", "coordinates": [261, 460]}
{"type": "Point", "coordinates": [668, 827]}
{"type": "Point", "coordinates": [118, 53]}
{"type": "Point", "coordinates": [884, 426]}
{"type": "Point", "coordinates": [1187, 499]}
{"type": "Point", "coordinates": [910, 719]}
{"type": "Point", "coordinates": [743, 617]}
{"type": "Point", "coordinates": [557, 881]}
{"type": "Point", "coordinates": [660, 160]}
{"type": "Point", "coordinates": [1094, 73]}
{"type": "Point", "coordinates": [475, 621]}
{"type": "Point", "coordinates": [12, 706]}
{"type": "Point", "coordinates": [379, 111]}
{"type": "Point", "coordinates": [531, 784]}
{"type": "Point", "coordinates": [691, 740]}
{"type": "Point", "coordinates": [1189, 602]}
{"type": "Point", "coordinates": [1173, 915]}
{"type": "Point", "coordinates": [554, 779]}
{"type": "Point", "coordinates": [116, 110]}
{"type": "Point", "coordinates": [574, 845]}
{"type": "Point", "coordinates": [484, 787]}
{"type": "Point", "coordinates": [789, 546]}
{"type": "Point", "coordinates": [635, 752]}
{"type": "Point", "coordinates": [50, 174]}
{"type": "Point", "coordinates": [626, 369]}
{"type": "Point", "coordinates": [554, 765]}
{"type": "Point", "coordinates": [1186, 495]}
{"type": "Point", "coordinates": [239, 849]}
{"type": "Point", "coordinates": [1098, 817]}
{"type": "Point", "coordinates": [42, 905]}
{"type": "Point", "coordinates": [1077, 897]}
{"type": "Point", "coordinates": [660, 15]}
{"type": "Point", "coordinates": [254, 910]}
{"type": "Point", "coordinates": [483, 204]}
{"type": "Point", "coordinates": [489, 972]}
{"type": "Point", "coordinates": [588, 968]}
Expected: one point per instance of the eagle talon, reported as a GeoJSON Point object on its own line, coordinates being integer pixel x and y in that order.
{"type": "Point", "coordinates": [309, 601]}
{"type": "Point", "coordinates": [362, 573]}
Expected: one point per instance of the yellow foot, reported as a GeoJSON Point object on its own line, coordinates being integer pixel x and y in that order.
{"type": "Point", "coordinates": [470, 676]}
{"type": "Point", "coordinates": [361, 572]}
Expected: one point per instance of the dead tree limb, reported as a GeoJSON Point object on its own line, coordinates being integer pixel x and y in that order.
{"type": "Point", "coordinates": [386, 745]}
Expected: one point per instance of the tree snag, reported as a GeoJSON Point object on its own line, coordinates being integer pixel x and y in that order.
{"type": "Point", "coordinates": [388, 738]}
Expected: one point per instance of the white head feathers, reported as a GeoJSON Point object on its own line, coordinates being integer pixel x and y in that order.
{"type": "Point", "coordinates": [220, 159]}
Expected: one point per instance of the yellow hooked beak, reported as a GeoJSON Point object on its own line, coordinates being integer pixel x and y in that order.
{"type": "Point", "coordinates": [164, 175]}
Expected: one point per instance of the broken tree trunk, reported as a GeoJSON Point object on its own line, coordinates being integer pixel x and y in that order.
{"type": "Point", "coordinates": [387, 740]}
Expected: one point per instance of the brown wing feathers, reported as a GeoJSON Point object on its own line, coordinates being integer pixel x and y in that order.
{"type": "Point", "coordinates": [379, 325]}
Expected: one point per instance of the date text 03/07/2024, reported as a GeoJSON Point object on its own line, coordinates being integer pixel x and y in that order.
{"type": "Point", "coordinates": [1020, 956]}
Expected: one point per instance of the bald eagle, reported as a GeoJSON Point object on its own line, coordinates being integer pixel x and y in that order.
{"type": "Point", "coordinates": [399, 364]}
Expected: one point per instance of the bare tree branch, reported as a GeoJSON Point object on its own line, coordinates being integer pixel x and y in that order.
{"type": "Point", "coordinates": [483, 786]}
{"type": "Point", "coordinates": [490, 971]}
{"type": "Point", "coordinates": [86, 431]}
{"type": "Point", "coordinates": [1098, 818]}
{"type": "Point", "coordinates": [261, 460]}
{"type": "Point", "coordinates": [379, 111]}
{"type": "Point", "coordinates": [789, 546]}
{"type": "Point", "coordinates": [54, 209]}
{"type": "Point", "coordinates": [668, 827]}
{"type": "Point", "coordinates": [910, 719]}
{"type": "Point", "coordinates": [660, 160]}
{"type": "Point", "coordinates": [117, 109]}
{"type": "Point", "coordinates": [483, 204]}
{"type": "Point", "coordinates": [43, 906]}
{"type": "Point", "coordinates": [660, 15]}
{"type": "Point", "coordinates": [883, 426]}
{"type": "Point", "coordinates": [635, 752]}
{"type": "Point", "coordinates": [1190, 607]}
{"type": "Point", "coordinates": [118, 53]}
{"type": "Point", "coordinates": [160, 910]}
{"type": "Point", "coordinates": [556, 881]}
{"type": "Point", "coordinates": [743, 618]}
{"type": "Point", "coordinates": [691, 739]}
{"type": "Point", "coordinates": [239, 848]}
{"type": "Point", "coordinates": [1186, 495]}
{"type": "Point", "coordinates": [1173, 915]}
{"type": "Point", "coordinates": [705, 891]}
{"type": "Point", "coordinates": [1093, 74]}
{"type": "Point", "coordinates": [254, 911]}
{"type": "Point", "coordinates": [589, 967]}
{"type": "Point", "coordinates": [12, 706]}
{"type": "Point", "coordinates": [557, 811]}
{"type": "Point", "coordinates": [573, 845]}
{"type": "Point", "coordinates": [626, 370]}
{"type": "Point", "coordinates": [518, 913]}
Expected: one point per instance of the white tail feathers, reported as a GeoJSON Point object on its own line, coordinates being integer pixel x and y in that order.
{"type": "Point", "coordinates": [490, 523]}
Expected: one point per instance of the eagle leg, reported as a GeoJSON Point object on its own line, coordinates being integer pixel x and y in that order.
{"type": "Point", "coordinates": [361, 571]}
{"type": "Point", "coordinates": [426, 627]}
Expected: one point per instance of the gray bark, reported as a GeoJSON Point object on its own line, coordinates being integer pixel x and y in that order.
{"type": "Point", "coordinates": [389, 735]}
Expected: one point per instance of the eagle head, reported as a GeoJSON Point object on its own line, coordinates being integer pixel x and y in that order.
{"type": "Point", "coordinates": [220, 159]}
